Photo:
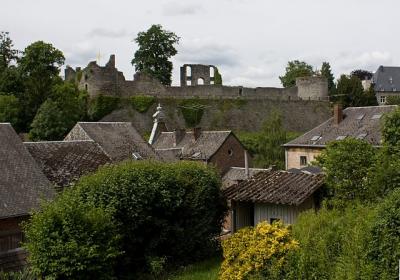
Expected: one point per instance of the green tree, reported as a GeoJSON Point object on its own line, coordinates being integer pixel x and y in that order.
{"type": "Point", "coordinates": [11, 81]}
{"type": "Point", "coordinates": [69, 239]}
{"type": "Point", "coordinates": [270, 141]}
{"type": "Point", "coordinates": [7, 53]}
{"type": "Point", "coordinates": [170, 210]}
{"type": "Point", "coordinates": [346, 164]}
{"type": "Point", "coordinates": [59, 113]}
{"type": "Point", "coordinates": [393, 100]}
{"type": "Point", "coordinates": [362, 74]}
{"type": "Point", "coordinates": [391, 131]}
{"type": "Point", "coordinates": [40, 68]}
{"type": "Point", "coordinates": [217, 77]}
{"type": "Point", "coordinates": [326, 72]}
{"type": "Point", "coordinates": [156, 47]}
{"type": "Point", "coordinates": [295, 69]}
{"type": "Point", "coordinates": [9, 109]}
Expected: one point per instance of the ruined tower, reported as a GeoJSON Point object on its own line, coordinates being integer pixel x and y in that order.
{"type": "Point", "coordinates": [198, 74]}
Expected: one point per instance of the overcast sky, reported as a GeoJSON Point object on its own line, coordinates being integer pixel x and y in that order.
{"type": "Point", "coordinates": [250, 41]}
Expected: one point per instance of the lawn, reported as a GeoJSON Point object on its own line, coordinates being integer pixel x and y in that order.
{"type": "Point", "coordinates": [206, 270]}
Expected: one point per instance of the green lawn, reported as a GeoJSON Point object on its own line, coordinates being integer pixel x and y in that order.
{"type": "Point", "coordinates": [206, 270]}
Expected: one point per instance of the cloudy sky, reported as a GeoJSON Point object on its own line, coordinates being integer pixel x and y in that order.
{"type": "Point", "coordinates": [250, 41]}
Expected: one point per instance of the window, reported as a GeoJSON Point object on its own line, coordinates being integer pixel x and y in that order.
{"type": "Point", "coordinates": [360, 117]}
{"type": "Point", "coordinates": [315, 138]}
{"type": "Point", "coordinates": [361, 136]}
{"type": "Point", "coordinates": [136, 156]}
{"type": "Point", "coordinates": [377, 116]}
{"type": "Point", "coordinates": [200, 81]}
{"type": "Point", "coordinates": [230, 152]}
{"type": "Point", "coordinates": [303, 160]}
{"type": "Point", "coordinates": [383, 99]}
{"type": "Point", "coordinates": [341, 137]}
{"type": "Point", "coordinates": [86, 87]}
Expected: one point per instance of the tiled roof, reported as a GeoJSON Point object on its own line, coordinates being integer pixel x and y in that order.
{"type": "Point", "coordinates": [118, 139]}
{"type": "Point", "coordinates": [277, 187]}
{"type": "Point", "coordinates": [22, 183]}
{"type": "Point", "coordinates": [202, 148]}
{"type": "Point", "coordinates": [66, 161]}
{"type": "Point", "coordinates": [359, 122]}
{"type": "Point", "coordinates": [387, 78]}
{"type": "Point", "coordinates": [235, 174]}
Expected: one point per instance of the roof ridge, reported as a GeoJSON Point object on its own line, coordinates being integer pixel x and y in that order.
{"type": "Point", "coordinates": [58, 141]}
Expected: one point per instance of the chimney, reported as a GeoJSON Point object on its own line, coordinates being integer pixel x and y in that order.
{"type": "Point", "coordinates": [196, 133]}
{"type": "Point", "coordinates": [246, 165]}
{"type": "Point", "coordinates": [179, 133]}
{"type": "Point", "coordinates": [158, 126]}
{"type": "Point", "coordinates": [337, 114]}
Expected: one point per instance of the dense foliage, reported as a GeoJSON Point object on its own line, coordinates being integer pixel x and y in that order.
{"type": "Point", "coordinates": [70, 239]}
{"type": "Point", "coordinates": [102, 105]}
{"type": "Point", "coordinates": [156, 47]}
{"type": "Point", "coordinates": [59, 113]}
{"type": "Point", "coordinates": [350, 92]}
{"type": "Point", "coordinates": [295, 69]}
{"type": "Point", "coordinates": [142, 103]}
{"type": "Point", "coordinates": [217, 77]}
{"type": "Point", "coordinates": [391, 131]}
{"type": "Point", "coordinates": [9, 109]}
{"type": "Point", "coordinates": [192, 111]}
{"type": "Point", "coordinates": [259, 251]}
{"type": "Point", "coordinates": [326, 72]}
{"type": "Point", "coordinates": [346, 164]}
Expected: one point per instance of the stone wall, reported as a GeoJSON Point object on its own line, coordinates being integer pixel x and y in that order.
{"type": "Point", "coordinates": [107, 80]}
{"type": "Point", "coordinates": [231, 114]}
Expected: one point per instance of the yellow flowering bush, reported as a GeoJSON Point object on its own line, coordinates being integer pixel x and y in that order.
{"type": "Point", "coordinates": [259, 251]}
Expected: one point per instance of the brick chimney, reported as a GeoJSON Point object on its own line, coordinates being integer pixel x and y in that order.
{"type": "Point", "coordinates": [196, 132]}
{"type": "Point", "coordinates": [179, 133]}
{"type": "Point", "coordinates": [337, 114]}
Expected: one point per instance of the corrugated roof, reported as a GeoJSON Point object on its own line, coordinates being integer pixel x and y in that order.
{"type": "Point", "coordinates": [202, 148]}
{"type": "Point", "coordinates": [66, 161]}
{"type": "Point", "coordinates": [22, 183]}
{"type": "Point", "coordinates": [275, 186]}
{"type": "Point", "coordinates": [387, 78]}
{"type": "Point", "coordinates": [118, 139]}
{"type": "Point", "coordinates": [359, 122]}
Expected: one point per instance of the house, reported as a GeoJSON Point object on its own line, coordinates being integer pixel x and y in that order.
{"type": "Point", "coordinates": [64, 162]}
{"type": "Point", "coordinates": [22, 186]}
{"type": "Point", "coordinates": [386, 82]}
{"type": "Point", "coordinates": [219, 148]}
{"type": "Point", "coordinates": [357, 122]}
{"type": "Point", "coordinates": [119, 140]}
{"type": "Point", "coordinates": [272, 195]}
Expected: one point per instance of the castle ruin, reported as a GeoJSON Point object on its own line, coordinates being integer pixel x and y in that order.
{"type": "Point", "coordinates": [196, 81]}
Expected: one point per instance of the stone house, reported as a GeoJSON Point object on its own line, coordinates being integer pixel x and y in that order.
{"type": "Point", "coordinates": [272, 195]}
{"type": "Point", "coordinates": [22, 186]}
{"type": "Point", "coordinates": [357, 122]}
{"type": "Point", "coordinates": [386, 82]}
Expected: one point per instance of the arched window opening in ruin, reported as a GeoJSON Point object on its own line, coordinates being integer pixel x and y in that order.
{"type": "Point", "coordinates": [188, 71]}
{"type": "Point", "coordinates": [200, 81]}
{"type": "Point", "coordinates": [188, 82]}
{"type": "Point", "coordinates": [86, 87]}
{"type": "Point", "coordinates": [212, 73]}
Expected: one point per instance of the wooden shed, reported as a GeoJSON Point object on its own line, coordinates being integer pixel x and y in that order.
{"type": "Point", "coordinates": [273, 195]}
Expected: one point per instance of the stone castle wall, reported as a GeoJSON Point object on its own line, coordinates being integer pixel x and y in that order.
{"type": "Point", "coordinates": [107, 80]}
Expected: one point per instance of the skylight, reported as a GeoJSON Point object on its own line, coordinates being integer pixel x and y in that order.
{"type": "Point", "coordinates": [136, 156]}
{"type": "Point", "coordinates": [315, 138]}
{"type": "Point", "coordinates": [376, 116]}
{"type": "Point", "coordinates": [360, 117]}
{"type": "Point", "coordinates": [341, 137]}
{"type": "Point", "coordinates": [361, 136]}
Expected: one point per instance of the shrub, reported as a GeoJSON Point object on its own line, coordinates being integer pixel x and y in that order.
{"type": "Point", "coordinates": [142, 103]}
{"type": "Point", "coordinates": [9, 109]}
{"type": "Point", "coordinates": [192, 111]}
{"type": "Point", "coordinates": [384, 245]}
{"type": "Point", "coordinates": [70, 239]}
{"type": "Point", "coordinates": [260, 251]}
{"type": "Point", "coordinates": [102, 105]}
{"type": "Point", "coordinates": [333, 244]}
{"type": "Point", "coordinates": [166, 211]}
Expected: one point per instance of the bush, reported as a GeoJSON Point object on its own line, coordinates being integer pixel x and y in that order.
{"type": "Point", "coordinates": [69, 239]}
{"type": "Point", "coordinates": [142, 103]}
{"type": "Point", "coordinates": [165, 211]}
{"type": "Point", "coordinates": [9, 109]}
{"type": "Point", "coordinates": [384, 245]}
{"type": "Point", "coordinates": [333, 244]}
{"type": "Point", "coordinates": [192, 111]}
{"type": "Point", "coordinates": [257, 252]}
{"type": "Point", "coordinates": [102, 105]}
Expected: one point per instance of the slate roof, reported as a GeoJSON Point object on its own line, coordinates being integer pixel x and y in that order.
{"type": "Point", "coordinates": [66, 161]}
{"type": "Point", "coordinates": [203, 148]}
{"type": "Point", "coordinates": [307, 169]}
{"type": "Point", "coordinates": [22, 183]}
{"type": "Point", "coordinates": [359, 122]}
{"type": "Point", "coordinates": [276, 187]}
{"type": "Point", "coordinates": [387, 78]}
{"type": "Point", "coordinates": [118, 139]}
{"type": "Point", "coordinates": [235, 174]}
